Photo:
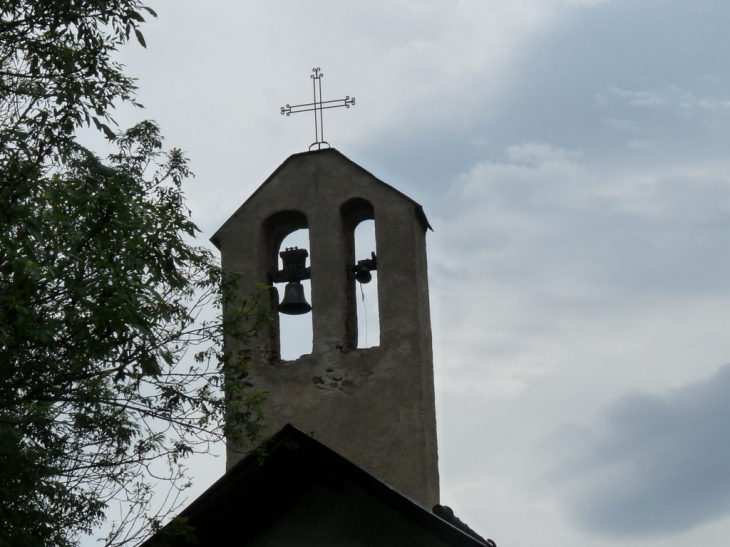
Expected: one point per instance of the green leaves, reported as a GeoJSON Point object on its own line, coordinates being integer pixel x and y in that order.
{"type": "Point", "coordinates": [100, 290]}
{"type": "Point", "coordinates": [56, 71]}
{"type": "Point", "coordinates": [103, 127]}
{"type": "Point", "coordinates": [104, 297]}
{"type": "Point", "coordinates": [140, 38]}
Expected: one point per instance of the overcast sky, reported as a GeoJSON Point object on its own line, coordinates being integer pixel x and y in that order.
{"type": "Point", "coordinates": [572, 157]}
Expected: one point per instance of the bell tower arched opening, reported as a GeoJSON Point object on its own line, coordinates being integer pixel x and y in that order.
{"type": "Point", "coordinates": [368, 319]}
{"type": "Point", "coordinates": [282, 230]}
{"type": "Point", "coordinates": [295, 331]}
{"type": "Point", "coordinates": [354, 212]}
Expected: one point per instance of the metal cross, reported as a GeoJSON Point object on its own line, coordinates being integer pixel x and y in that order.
{"type": "Point", "coordinates": [318, 106]}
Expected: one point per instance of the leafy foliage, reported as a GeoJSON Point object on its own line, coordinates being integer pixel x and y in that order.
{"type": "Point", "coordinates": [57, 70]}
{"type": "Point", "coordinates": [104, 298]}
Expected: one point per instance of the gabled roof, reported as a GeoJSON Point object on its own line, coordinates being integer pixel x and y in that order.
{"type": "Point", "coordinates": [257, 491]}
{"type": "Point", "coordinates": [215, 239]}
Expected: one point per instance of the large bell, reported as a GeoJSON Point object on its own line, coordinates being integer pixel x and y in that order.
{"type": "Point", "coordinates": [294, 302]}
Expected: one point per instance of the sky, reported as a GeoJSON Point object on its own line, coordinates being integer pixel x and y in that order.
{"type": "Point", "coordinates": [572, 157]}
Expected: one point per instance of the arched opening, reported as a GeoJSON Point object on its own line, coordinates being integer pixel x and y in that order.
{"type": "Point", "coordinates": [295, 331]}
{"type": "Point", "coordinates": [363, 320]}
{"type": "Point", "coordinates": [368, 317]}
{"type": "Point", "coordinates": [290, 336]}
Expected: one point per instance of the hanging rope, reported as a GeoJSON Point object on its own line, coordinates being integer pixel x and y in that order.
{"type": "Point", "coordinates": [362, 292]}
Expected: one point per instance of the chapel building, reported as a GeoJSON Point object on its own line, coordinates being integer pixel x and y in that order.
{"type": "Point", "coordinates": [353, 459]}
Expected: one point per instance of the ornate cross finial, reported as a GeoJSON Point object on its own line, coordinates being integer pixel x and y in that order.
{"type": "Point", "coordinates": [318, 106]}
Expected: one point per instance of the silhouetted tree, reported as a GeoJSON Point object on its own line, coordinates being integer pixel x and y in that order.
{"type": "Point", "coordinates": [103, 292]}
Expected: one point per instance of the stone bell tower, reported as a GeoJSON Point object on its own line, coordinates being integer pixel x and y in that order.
{"type": "Point", "coordinates": [374, 406]}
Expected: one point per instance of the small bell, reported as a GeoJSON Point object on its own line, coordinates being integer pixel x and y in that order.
{"type": "Point", "coordinates": [363, 268]}
{"type": "Point", "coordinates": [294, 302]}
{"type": "Point", "coordinates": [363, 275]}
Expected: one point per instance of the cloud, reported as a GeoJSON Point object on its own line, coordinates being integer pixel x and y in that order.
{"type": "Point", "coordinates": [621, 125]}
{"type": "Point", "coordinates": [548, 217]}
{"type": "Point", "coordinates": [550, 253]}
{"type": "Point", "coordinates": [650, 464]}
{"type": "Point", "coordinates": [709, 103]}
{"type": "Point", "coordinates": [451, 60]}
{"type": "Point", "coordinates": [640, 98]}
{"type": "Point", "coordinates": [673, 95]}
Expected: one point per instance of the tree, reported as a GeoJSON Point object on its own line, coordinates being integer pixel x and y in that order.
{"type": "Point", "coordinates": [103, 293]}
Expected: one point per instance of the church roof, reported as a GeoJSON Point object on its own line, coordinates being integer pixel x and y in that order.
{"type": "Point", "coordinates": [258, 491]}
{"type": "Point", "coordinates": [215, 239]}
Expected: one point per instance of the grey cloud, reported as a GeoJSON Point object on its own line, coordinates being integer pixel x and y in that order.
{"type": "Point", "coordinates": [616, 62]}
{"type": "Point", "coordinates": [641, 97]}
{"type": "Point", "coordinates": [544, 215]}
{"type": "Point", "coordinates": [622, 125]}
{"type": "Point", "coordinates": [652, 464]}
{"type": "Point", "coordinates": [671, 96]}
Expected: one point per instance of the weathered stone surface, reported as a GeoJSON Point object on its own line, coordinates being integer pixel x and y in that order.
{"type": "Point", "coordinates": [374, 406]}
